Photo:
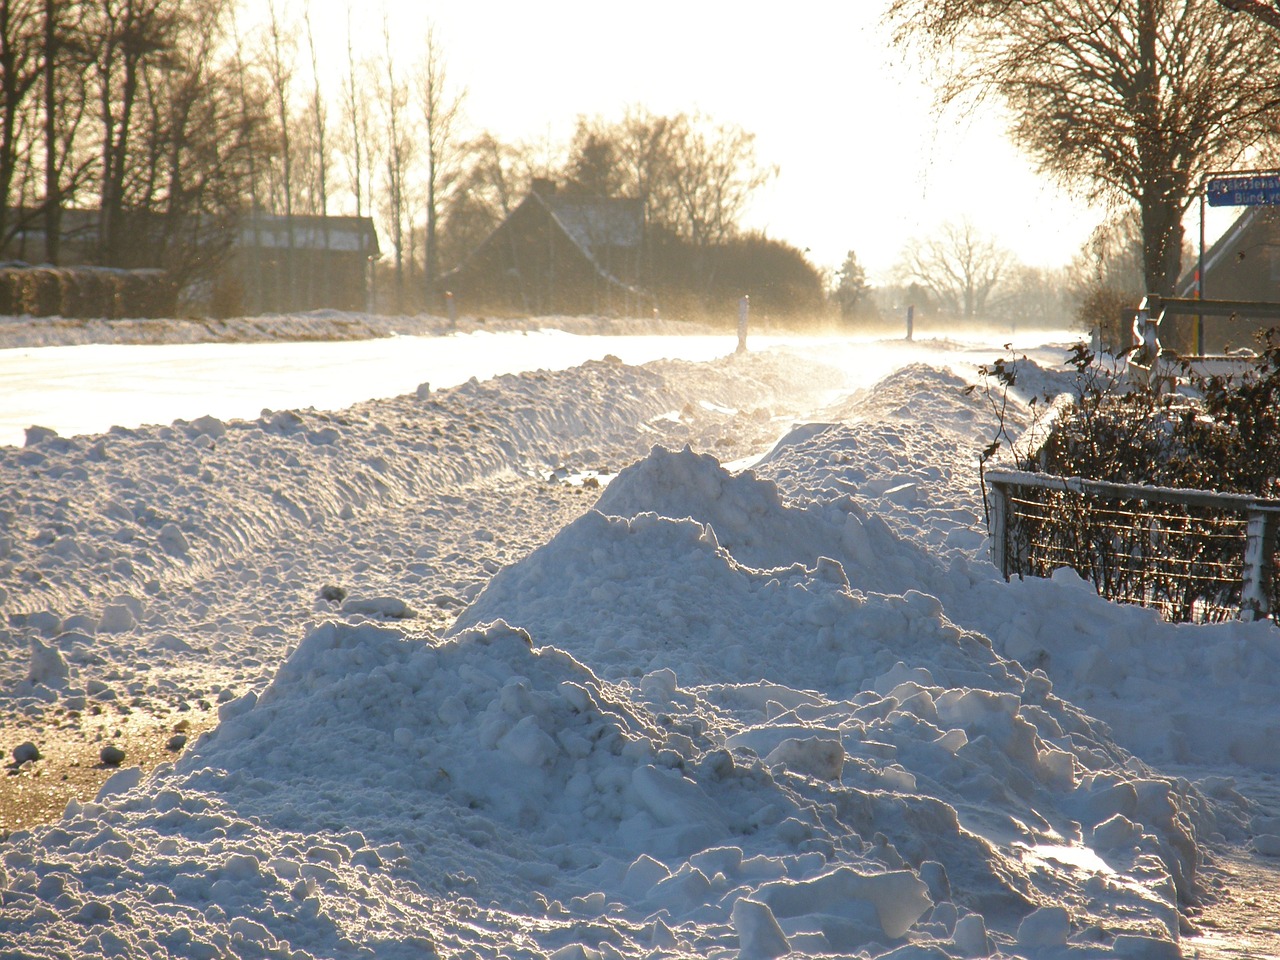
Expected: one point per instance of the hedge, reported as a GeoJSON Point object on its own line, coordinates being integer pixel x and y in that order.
{"type": "Point", "coordinates": [85, 292]}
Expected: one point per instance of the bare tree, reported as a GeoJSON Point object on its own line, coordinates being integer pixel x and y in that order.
{"type": "Point", "coordinates": [1107, 277]}
{"type": "Point", "coordinates": [393, 94]}
{"type": "Point", "coordinates": [693, 177]}
{"type": "Point", "coordinates": [493, 179]}
{"type": "Point", "coordinates": [132, 35]}
{"type": "Point", "coordinates": [38, 106]}
{"type": "Point", "coordinates": [1030, 296]}
{"type": "Point", "coordinates": [192, 166]}
{"type": "Point", "coordinates": [713, 174]}
{"type": "Point", "coordinates": [1131, 100]}
{"type": "Point", "coordinates": [67, 56]}
{"type": "Point", "coordinates": [318, 179]}
{"type": "Point", "coordinates": [21, 43]}
{"type": "Point", "coordinates": [644, 155]}
{"type": "Point", "coordinates": [355, 140]}
{"type": "Point", "coordinates": [441, 112]}
{"type": "Point", "coordinates": [960, 267]}
{"type": "Point", "coordinates": [278, 58]}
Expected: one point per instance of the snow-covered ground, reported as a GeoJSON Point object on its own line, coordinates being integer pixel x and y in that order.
{"type": "Point", "coordinates": [591, 664]}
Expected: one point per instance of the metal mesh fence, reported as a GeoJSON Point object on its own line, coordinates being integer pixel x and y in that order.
{"type": "Point", "coordinates": [1195, 555]}
{"type": "Point", "coordinates": [1187, 561]}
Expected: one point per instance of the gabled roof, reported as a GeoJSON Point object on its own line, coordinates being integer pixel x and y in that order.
{"type": "Point", "coordinates": [260, 230]}
{"type": "Point", "coordinates": [591, 224]}
{"type": "Point", "coordinates": [1218, 253]}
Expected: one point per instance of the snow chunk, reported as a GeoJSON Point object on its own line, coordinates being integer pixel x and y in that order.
{"type": "Point", "coordinates": [386, 608]}
{"type": "Point", "coordinates": [36, 435]}
{"type": "Point", "coordinates": [117, 618]}
{"type": "Point", "coordinates": [1044, 927]}
{"type": "Point", "coordinates": [527, 743]}
{"type": "Point", "coordinates": [970, 936]}
{"type": "Point", "coordinates": [208, 426]}
{"type": "Point", "coordinates": [172, 540]}
{"type": "Point", "coordinates": [899, 897]}
{"type": "Point", "coordinates": [643, 875]}
{"type": "Point", "coordinates": [673, 799]}
{"type": "Point", "coordinates": [812, 756]}
{"type": "Point", "coordinates": [122, 781]}
{"type": "Point", "coordinates": [47, 665]}
{"type": "Point", "coordinates": [759, 936]}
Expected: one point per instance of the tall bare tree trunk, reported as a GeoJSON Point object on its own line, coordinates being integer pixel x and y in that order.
{"type": "Point", "coordinates": [280, 76]}
{"type": "Point", "coordinates": [394, 97]}
{"type": "Point", "coordinates": [52, 190]}
{"type": "Point", "coordinates": [440, 113]}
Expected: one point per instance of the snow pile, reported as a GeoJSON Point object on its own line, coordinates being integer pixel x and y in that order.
{"type": "Point", "coordinates": [158, 503]}
{"type": "Point", "coordinates": [908, 450]}
{"type": "Point", "coordinates": [666, 603]}
{"type": "Point", "coordinates": [723, 714]}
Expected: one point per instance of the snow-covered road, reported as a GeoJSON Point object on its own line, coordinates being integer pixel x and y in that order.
{"type": "Point", "coordinates": [722, 715]}
{"type": "Point", "coordinates": [89, 388]}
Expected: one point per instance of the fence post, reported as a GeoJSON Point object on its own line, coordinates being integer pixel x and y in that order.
{"type": "Point", "coordinates": [1259, 551]}
{"type": "Point", "coordinates": [999, 527]}
{"type": "Point", "coordinates": [744, 307]}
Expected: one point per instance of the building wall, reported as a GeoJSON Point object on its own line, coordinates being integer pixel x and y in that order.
{"type": "Point", "coordinates": [1245, 268]}
{"type": "Point", "coordinates": [289, 281]}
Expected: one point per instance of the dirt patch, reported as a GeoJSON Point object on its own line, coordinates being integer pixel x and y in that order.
{"type": "Point", "coordinates": [71, 766]}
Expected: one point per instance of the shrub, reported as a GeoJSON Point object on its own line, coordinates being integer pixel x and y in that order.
{"type": "Point", "coordinates": [1182, 556]}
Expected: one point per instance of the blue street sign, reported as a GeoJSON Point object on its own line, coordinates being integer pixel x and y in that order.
{"type": "Point", "coordinates": [1244, 191]}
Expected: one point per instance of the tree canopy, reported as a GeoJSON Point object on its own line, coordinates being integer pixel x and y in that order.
{"type": "Point", "coordinates": [960, 267]}
{"type": "Point", "coordinates": [1126, 100]}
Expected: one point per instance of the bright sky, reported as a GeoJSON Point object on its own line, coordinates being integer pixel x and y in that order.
{"type": "Point", "coordinates": [864, 162]}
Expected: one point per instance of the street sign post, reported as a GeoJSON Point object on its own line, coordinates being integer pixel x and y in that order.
{"type": "Point", "coordinates": [1244, 191]}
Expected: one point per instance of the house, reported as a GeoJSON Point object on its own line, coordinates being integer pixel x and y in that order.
{"type": "Point", "coordinates": [557, 253]}
{"type": "Point", "coordinates": [279, 264]}
{"type": "Point", "coordinates": [1242, 264]}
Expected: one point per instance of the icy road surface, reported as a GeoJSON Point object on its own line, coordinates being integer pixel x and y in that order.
{"type": "Point", "coordinates": [90, 388]}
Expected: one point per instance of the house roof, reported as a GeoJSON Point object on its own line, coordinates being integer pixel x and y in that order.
{"type": "Point", "coordinates": [590, 224]}
{"type": "Point", "coordinates": [1218, 253]}
{"type": "Point", "coordinates": [261, 230]}
{"type": "Point", "coordinates": [593, 223]}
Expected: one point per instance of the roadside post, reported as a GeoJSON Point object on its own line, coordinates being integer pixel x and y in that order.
{"type": "Point", "coordinates": [744, 307]}
{"type": "Point", "coordinates": [911, 319]}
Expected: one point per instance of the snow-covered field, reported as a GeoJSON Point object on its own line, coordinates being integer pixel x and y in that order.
{"type": "Point", "coordinates": [591, 664]}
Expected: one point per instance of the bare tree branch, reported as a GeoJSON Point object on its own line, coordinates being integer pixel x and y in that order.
{"type": "Point", "coordinates": [1268, 13]}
